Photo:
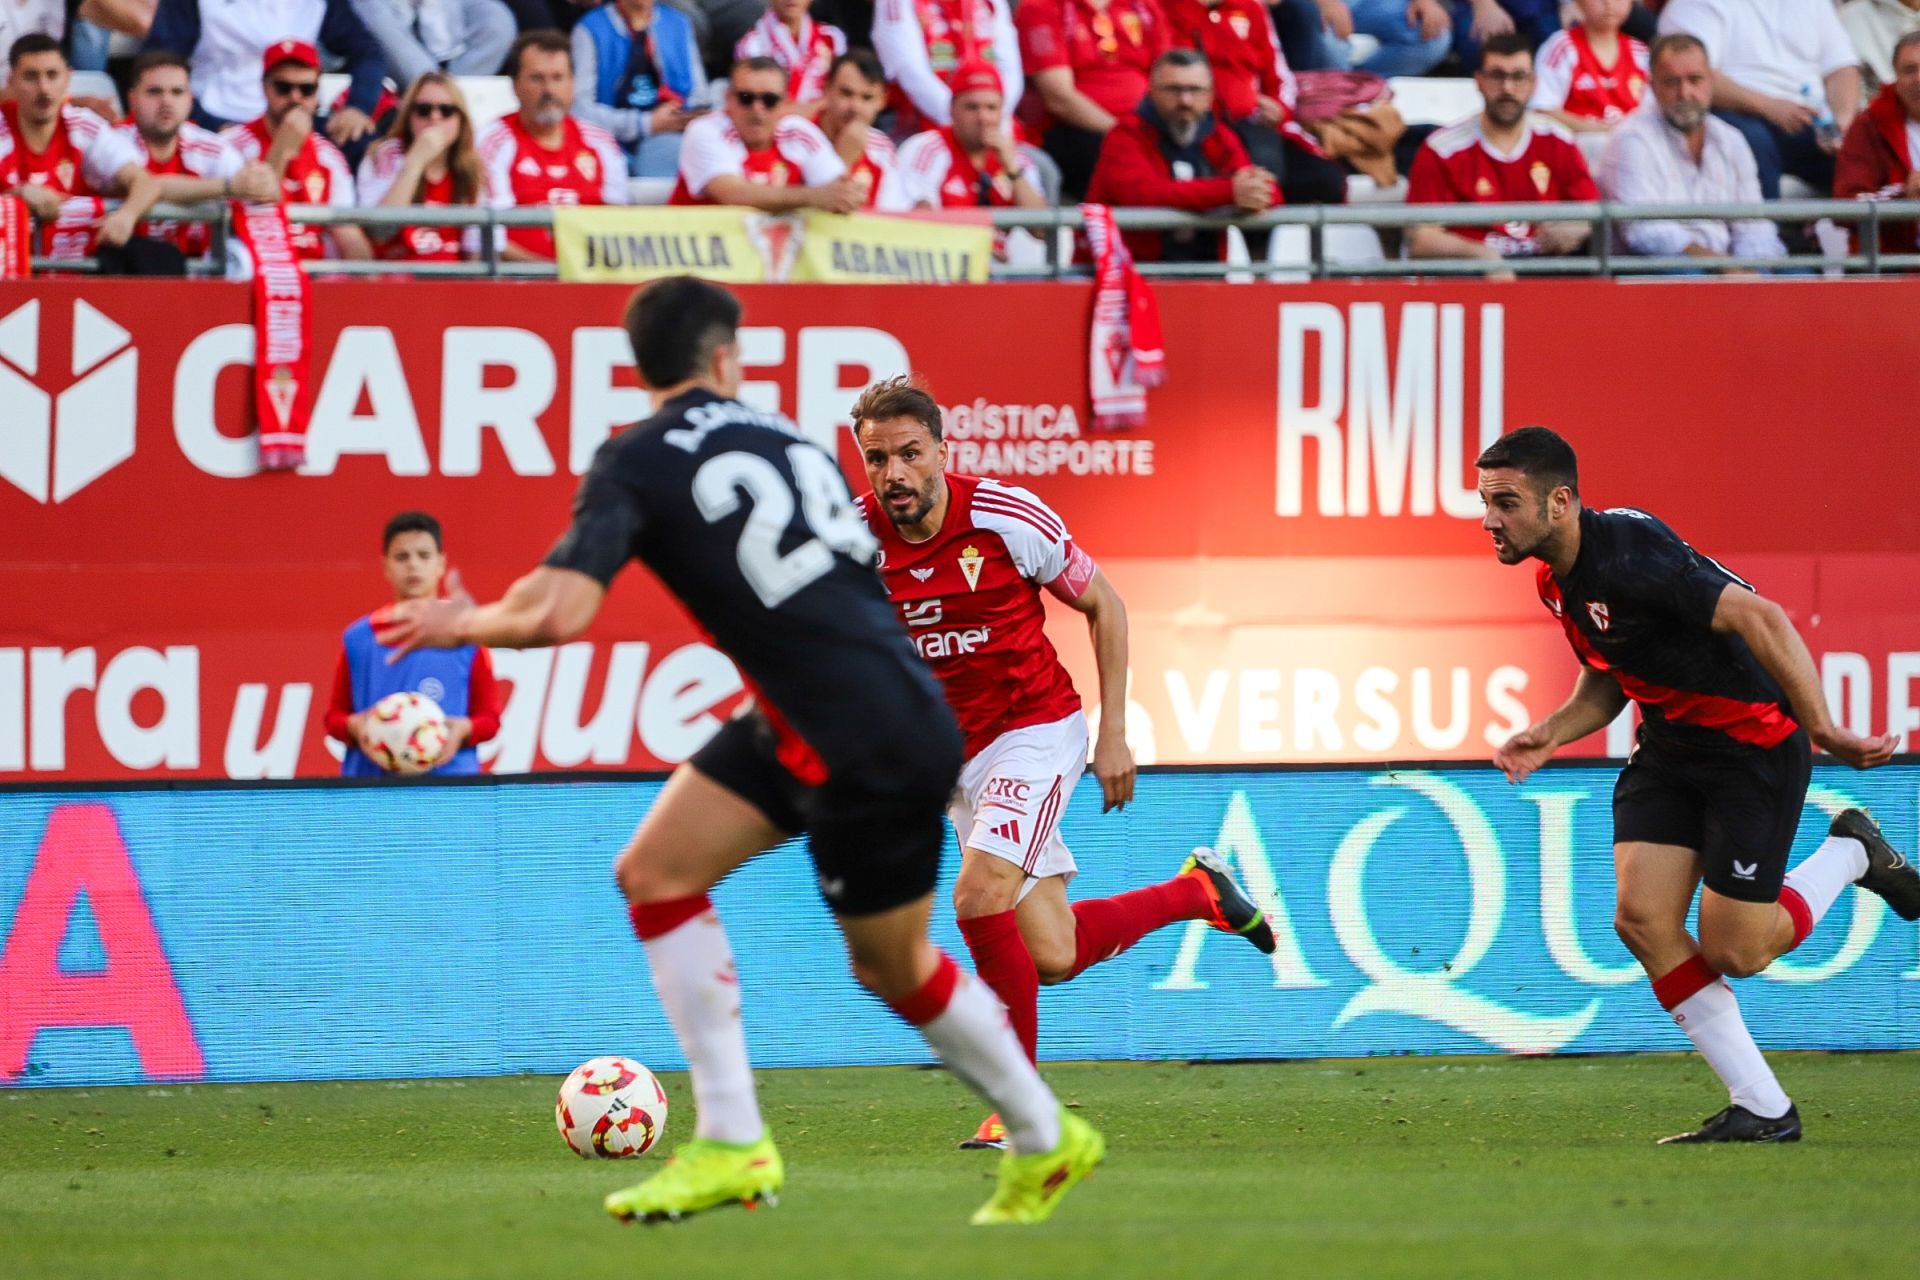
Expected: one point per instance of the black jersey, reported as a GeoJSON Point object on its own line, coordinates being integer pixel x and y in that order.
{"type": "Point", "coordinates": [753, 528]}
{"type": "Point", "coordinates": [1639, 605]}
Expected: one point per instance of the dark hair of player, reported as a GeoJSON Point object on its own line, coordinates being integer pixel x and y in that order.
{"type": "Point", "coordinates": [676, 324]}
{"type": "Point", "coordinates": [544, 39]}
{"type": "Point", "coordinates": [758, 64]}
{"type": "Point", "coordinates": [1536, 453]}
{"type": "Point", "coordinates": [152, 60]}
{"type": "Point", "coordinates": [862, 61]}
{"type": "Point", "coordinates": [31, 43]}
{"type": "Point", "coordinates": [900, 397]}
{"type": "Point", "coordinates": [1505, 46]}
{"type": "Point", "coordinates": [410, 522]}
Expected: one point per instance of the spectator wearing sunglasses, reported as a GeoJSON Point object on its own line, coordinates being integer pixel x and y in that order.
{"type": "Point", "coordinates": [760, 154]}
{"type": "Point", "coordinates": [225, 41]}
{"type": "Point", "coordinates": [310, 168]}
{"type": "Point", "coordinates": [427, 158]}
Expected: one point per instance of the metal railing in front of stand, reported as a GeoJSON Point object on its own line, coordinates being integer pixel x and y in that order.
{"type": "Point", "coordinates": [1601, 258]}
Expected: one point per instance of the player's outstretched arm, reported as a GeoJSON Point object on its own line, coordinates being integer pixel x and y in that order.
{"type": "Point", "coordinates": [1112, 758]}
{"type": "Point", "coordinates": [1770, 634]}
{"type": "Point", "coordinates": [547, 606]}
{"type": "Point", "coordinates": [1595, 701]}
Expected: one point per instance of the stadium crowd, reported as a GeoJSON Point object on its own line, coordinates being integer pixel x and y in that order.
{"type": "Point", "coordinates": [903, 104]}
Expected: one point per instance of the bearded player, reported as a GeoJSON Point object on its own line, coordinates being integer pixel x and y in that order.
{"type": "Point", "coordinates": [965, 560]}
{"type": "Point", "coordinates": [1729, 700]}
{"type": "Point", "coordinates": [752, 528]}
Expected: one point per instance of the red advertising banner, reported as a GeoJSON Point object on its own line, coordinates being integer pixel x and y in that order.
{"type": "Point", "coordinates": [1295, 531]}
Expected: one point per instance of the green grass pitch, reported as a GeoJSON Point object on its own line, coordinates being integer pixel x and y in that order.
{"type": "Point", "coordinates": [1389, 1167]}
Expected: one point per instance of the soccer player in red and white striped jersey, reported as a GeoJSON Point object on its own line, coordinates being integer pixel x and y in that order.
{"type": "Point", "coordinates": [756, 154]}
{"type": "Point", "coordinates": [965, 560]}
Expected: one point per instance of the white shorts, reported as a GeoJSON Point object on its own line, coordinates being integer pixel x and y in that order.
{"type": "Point", "coordinates": [1013, 793]}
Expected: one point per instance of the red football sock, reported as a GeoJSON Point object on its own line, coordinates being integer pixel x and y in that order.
{"type": "Point", "coordinates": [1001, 958]}
{"type": "Point", "coordinates": [1108, 926]}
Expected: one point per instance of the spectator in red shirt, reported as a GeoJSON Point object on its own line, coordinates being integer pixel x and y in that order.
{"type": "Point", "coordinates": [1880, 157]}
{"type": "Point", "coordinates": [1504, 155]}
{"type": "Point", "coordinates": [1170, 153]}
{"type": "Point", "coordinates": [1088, 61]}
{"type": "Point", "coordinates": [427, 158]}
{"type": "Point", "coordinates": [1255, 91]}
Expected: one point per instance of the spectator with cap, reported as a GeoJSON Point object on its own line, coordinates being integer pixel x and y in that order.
{"type": "Point", "coordinates": [224, 43]}
{"type": "Point", "coordinates": [541, 154]}
{"type": "Point", "coordinates": [1171, 153]}
{"type": "Point", "coordinates": [461, 37]}
{"type": "Point", "coordinates": [1784, 74]}
{"type": "Point", "coordinates": [1678, 152]}
{"type": "Point", "coordinates": [974, 162]}
{"type": "Point", "coordinates": [310, 169]}
{"type": "Point", "coordinates": [642, 79]}
{"type": "Point", "coordinates": [1880, 158]}
{"type": "Point", "coordinates": [1090, 62]}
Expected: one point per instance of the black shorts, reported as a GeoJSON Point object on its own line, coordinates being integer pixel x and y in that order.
{"type": "Point", "coordinates": [874, 827]}
{"type": "Point", "coordinates": [1738, 807]}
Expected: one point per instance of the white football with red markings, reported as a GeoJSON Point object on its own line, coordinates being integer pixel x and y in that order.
{"type": "Point", "coordinates": [610, 1108]}
{"type": "Point", "coordinates": [407, 733]}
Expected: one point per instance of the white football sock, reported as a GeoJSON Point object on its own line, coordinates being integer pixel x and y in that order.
{"type": "Point", "coordinates": [693, 972]}
{"type": "Point", "coordinates": [1837, 863]}
{"type": "Point", "coordinates": [1711, 1018]}
{"type": "Point", "coordinates": [975, 1040]}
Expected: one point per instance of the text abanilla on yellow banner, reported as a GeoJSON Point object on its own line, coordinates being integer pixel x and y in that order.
{"type": "Point", "coordinates": [874, 249]}
{"type": "Point", "coordinates": [616, 245]}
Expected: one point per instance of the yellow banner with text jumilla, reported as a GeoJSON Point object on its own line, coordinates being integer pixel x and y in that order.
{"type": "Point", "coordinates": [864, 248]}
{"type": "Point", "coordinates": [613, 244]}
{"type": "Point", "coordinates": [741, 246]}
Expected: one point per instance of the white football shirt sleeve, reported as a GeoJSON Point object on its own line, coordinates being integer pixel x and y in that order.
{"type": "Point", "coordinates": [706, 154]}
{"type": "Point", "coordinates": [378, 171]}
{"type": "Point", "coordinates": [1553, 78]}
{"type": "Point", "coordinates": [1035, 537]}
{"type": "Point", "coordinates": [808, 147]}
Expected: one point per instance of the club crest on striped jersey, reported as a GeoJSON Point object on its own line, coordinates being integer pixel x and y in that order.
{"type": "Point", "coordinates": [1598, 612]}
{"type": "Point", "coordinates": [970, 562]}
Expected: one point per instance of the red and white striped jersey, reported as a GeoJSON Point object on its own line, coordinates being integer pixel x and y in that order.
{"type": "Point", "coordinates": [587, 167]}
{"type": "Point", "coordinates": [80, 162]}
{"type": "Point", "coordinates": [197, 153]}
{"type": "Point", "coordinates": [378, 170]}
{"type": "Point", "coordinates": [800, 156]}
{"type": "Point", "coordinates": [1573, 80]}
{"type": "Point", "coordinates": [317, 174]}
{"type": "Point", "coordinates": [970, 597]}
{"type": "Point", "coordinates": [805, 59]}
{"type": "Point", "coordinates": [877, 174]}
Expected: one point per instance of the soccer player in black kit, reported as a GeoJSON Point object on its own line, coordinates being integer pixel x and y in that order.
{"type": "Point", "coordinates": [849, 740]}
{"type": "Point", "coordinates": [1713, 790]}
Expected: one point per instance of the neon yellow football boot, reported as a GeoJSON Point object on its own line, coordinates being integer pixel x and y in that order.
{"type": "Point", "coordinates": [1030, 1186]}
{"type": "Point", "coordinates": [704, 1174]}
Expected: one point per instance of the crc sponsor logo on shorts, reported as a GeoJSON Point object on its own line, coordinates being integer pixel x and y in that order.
{"type": "Point", "coordinates": [1017, 790]}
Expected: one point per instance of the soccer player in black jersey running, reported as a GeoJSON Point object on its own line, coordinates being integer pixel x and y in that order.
{"type": "Point", "coordinates": [850, 741]}
{"type": "Point", "coordinates": [1728, 700]}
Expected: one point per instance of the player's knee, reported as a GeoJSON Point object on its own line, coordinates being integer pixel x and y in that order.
{"type": "Point", "coordinates": [641, 879]}
{"type": "Point", "coordinates": [1736, 958]}
{"type": "Point", "coordinates": [1639, 931]}
{"type": "Point", "coordinates": [1052, 960]}
{"type": "Point", "coordinates": [981, 896]}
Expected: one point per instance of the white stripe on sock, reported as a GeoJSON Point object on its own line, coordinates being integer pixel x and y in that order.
{"type": "Point", "coordinates": [1711, 1018]}
{"type": "Point", "coordinates": [1837, 863]}
{"type": "Point", "coordinates": [972, 1036]}
{"type": "Point", "coordinates": [694, 975]}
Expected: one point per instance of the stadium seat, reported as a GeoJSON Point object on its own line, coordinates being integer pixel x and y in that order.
{"type": "Point", "coordinates": [649, 190]}
{"type": "Point", "coordinates": [1433, 99]}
